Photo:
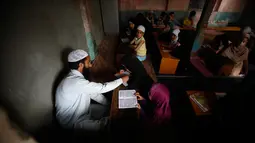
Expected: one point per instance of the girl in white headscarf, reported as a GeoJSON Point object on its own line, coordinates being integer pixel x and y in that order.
{"type": "Point", "coordinates": [174, 43]}
{"type": "Point", "coordinates": [239, 55]}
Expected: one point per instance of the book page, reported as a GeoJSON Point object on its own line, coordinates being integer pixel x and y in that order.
{"type": "Point", "coordinates": [127, 99]}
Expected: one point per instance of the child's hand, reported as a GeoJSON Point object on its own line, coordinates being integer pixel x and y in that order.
{"type": "Point", "coordinates": [138, 106]}
{"type": "Point", "coordinates": [139, 97]}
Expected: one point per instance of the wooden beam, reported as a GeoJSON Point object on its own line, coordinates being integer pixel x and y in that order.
{"type": "Point", "coordinates": [206, 13]}
{"type": "Point", "coordinates": [167, 2]}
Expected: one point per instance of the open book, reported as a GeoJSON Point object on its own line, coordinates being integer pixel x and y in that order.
{"type": "Point", "coordinates": [200, 100]}
{"type": "Point", "coordinates": [127, 99]}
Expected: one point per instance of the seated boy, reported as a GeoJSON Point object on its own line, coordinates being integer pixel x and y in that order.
{"type": "Point", "coordinates": [138, 44]}
{"type": "Point", "coordinates": [189, 21]}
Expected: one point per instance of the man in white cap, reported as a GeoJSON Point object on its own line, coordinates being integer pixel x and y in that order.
{"type": "Point", "coordinates": [75, 92]}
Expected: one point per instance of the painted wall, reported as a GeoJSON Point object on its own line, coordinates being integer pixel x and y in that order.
{"type": "Point", "coordinates": [94, 13]}
{"type": "Point", "coordinates": [227, 10]}
{"type": "Point", "coordinates": [93, 25]}
{"type": "Point", "coordinates": [34, 34]}
{"type": "Point", "coordinates": [110, 14]}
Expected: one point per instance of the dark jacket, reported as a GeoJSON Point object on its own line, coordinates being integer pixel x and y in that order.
{"type": "Point", "coordinates": [139, 79]}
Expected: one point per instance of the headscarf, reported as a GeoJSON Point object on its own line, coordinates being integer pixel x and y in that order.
{"type": "Point", "coordinates": [160, 96]}
{"type": "Point", "coordinates": [139, 78]}
{"type": "Point", "coordinates": [176, 33]}
{"type": "Point", "coordinates": [237, 53]}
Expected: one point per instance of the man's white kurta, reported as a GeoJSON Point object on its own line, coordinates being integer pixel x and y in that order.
{"type": "Point", "coordinates": [74, 94]}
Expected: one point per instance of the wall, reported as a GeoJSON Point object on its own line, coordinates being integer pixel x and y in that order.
{"type": "Point", "coordinates": [230, 10]}
{"type": "Point", "coordinates": [227, 10]}
{"type": "Point", "coordinates": [33, 36]}
{"type": "Point", "coordinates": [110, 14]}
{"type": "Point", "coordinates": [92, 19]}
{"type": "Point", "coordinates": [94, 13]}
{"type": "Point", "coordinates": [246, 18]}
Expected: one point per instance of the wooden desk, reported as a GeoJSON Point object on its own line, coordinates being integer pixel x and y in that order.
{"type": "Point", "coordinates": [210, 96]}
{"type": "Point", "coordinates": [119, 114]}
{"type": "Point", "coordinates": [168, 64]}
{"type": "Point", "coordinates": [124, 122]}
{"type": "Point", "coordinates": [229, 28]}
{"type": "Point", "coordinates": [159, 26]}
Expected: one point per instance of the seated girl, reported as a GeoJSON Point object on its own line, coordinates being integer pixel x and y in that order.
{"type": "Point", "coordinates": [156, 111]}
{"type": "Point", "coordinates": [138, 44]}
{"type": "Point", "coordinates": [131, 31]}
{"type": "Point", "coordinates": [173, 44]}
{"type": "Point", "coordinates": [239, 55]}
{"type": "Point", "coordinates": [162, 18]}
{"type": "Point", "coordinates": [150, 17]}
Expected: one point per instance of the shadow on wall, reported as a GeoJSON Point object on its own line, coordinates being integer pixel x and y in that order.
{"type": "Point", "coordinates": [53, 132]}
{"type": "Point", "coordinates": [62, 73]}
{"type": "Point", "coordinates": [103, 68]}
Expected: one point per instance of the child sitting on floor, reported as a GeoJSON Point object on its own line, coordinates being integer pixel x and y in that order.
{"type": "Point", "coordinates": [138, 43]}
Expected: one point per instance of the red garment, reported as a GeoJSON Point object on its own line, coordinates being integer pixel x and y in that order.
{"type": "Point", "coordinates": [160, 96]}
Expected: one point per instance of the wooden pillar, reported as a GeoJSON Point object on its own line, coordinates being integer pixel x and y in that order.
{"type": "Point", "coordinates": [206, 13]}
{"type": "Point", "coordinates": [167, 2]}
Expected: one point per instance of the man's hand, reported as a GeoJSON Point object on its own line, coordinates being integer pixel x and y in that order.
{"type": "Point", "coordinates": [125, 79]}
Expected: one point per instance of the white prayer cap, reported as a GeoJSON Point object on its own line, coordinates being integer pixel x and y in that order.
{"type": "Point", "coordinates": [176, 32]}
{"type": "Point", "coordinates": [77, 55]}
{"type": "Point", "coordinates": [141, 28]}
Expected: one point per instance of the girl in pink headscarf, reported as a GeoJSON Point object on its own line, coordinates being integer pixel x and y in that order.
{"type": "Point", "coordinates": [161, 112]}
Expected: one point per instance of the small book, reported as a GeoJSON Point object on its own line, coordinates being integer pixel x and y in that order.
{"type": "Point", "coordinates": [127, 99]}
{"type": "Point", "coordinates": [200, 100]}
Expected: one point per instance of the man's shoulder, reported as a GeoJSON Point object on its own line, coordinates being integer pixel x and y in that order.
{"type": "Point", "coordinates": [71, 81]}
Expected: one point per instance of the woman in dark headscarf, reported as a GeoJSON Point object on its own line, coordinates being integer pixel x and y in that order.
{"type": "Point", "coordinates": [139, 79]}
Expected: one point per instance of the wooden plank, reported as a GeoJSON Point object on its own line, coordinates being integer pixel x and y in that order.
{"type": "Point", "coordinates": [169, 63]}
{"type": "Point", "coordinates": [167, 2]}
{"type": "Point", "coordinates": [114, 105]}
{"type": "Point", "coordinates": [229, 28]}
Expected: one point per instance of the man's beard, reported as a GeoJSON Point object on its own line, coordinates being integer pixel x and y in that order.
{"type": "Point", "coordinates": [86, 72]}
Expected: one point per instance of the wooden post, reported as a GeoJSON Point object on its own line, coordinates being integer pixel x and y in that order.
{"type": "Point", "coordinates": [206, 13]}
{"type": "Point", "coordinates": [167, 2]}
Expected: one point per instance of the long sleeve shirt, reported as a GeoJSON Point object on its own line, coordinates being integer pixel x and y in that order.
{"type": "Point", "coordinates": [74, 94]}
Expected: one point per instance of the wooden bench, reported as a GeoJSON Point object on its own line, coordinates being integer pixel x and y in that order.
{"type": "Point", "coordinates": [169, 63]}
